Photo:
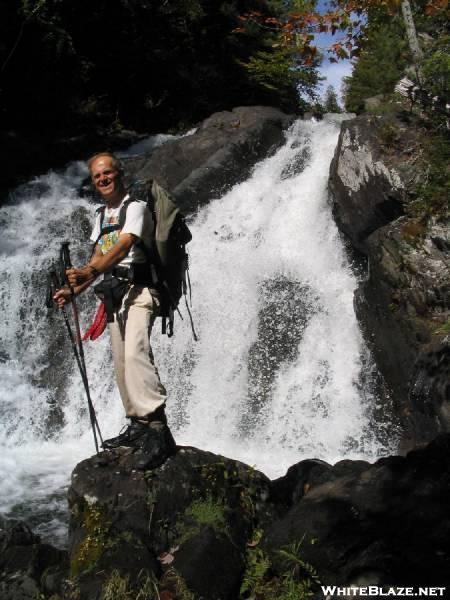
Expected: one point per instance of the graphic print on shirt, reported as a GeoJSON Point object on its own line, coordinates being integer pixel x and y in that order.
{"type": "Point", "coordinates": [108, 240]}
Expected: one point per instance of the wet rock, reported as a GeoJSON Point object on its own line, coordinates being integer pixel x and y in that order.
{"type": "Point", "coordinates": [205, 526]}
{"type": "Point", "coordinates": [385, 524]}
{"type": "Point", "coordinates": [25, 563]}
{"type": "Point", "coordinates": [430, 390]}
{"type": "Point", "coordinates": [404, 308]}
{"type": "Point", "coordinates": [222, 565]}
{"type": "Point", "coordinates": [369, 186]}
{"type": "Point", "coordinates": [183, 520]}
{"type": "Point", "coordinates": [222, 152]}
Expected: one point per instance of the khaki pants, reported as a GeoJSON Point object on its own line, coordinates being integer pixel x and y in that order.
{"type": "Point", "coordinates": [137, 377]}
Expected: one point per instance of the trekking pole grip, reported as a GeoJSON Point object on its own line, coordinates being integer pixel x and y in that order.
{"type": "Point", "coordinates": [66, 263]}
{"type": "Point", "coordinates": [65, 254]}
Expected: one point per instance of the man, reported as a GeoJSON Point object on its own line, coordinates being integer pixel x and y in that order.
{"type": "Point", "coordinates": [120, 252]}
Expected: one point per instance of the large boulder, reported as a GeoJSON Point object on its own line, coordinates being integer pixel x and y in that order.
{"type": "Point", "coordinates": [29, 569]}
{"type": "Point", "coordinates": [404, 307]}
{"type": "Point", "coordinates": [185, 523]}
{"type": "Point", "coordinates": [404, 304]}
{"type": "Point", "coordinates": [384, 524]}
{"type": "Point", "coordinates": [203, 165]}
{"type": "Point", "coordinates": [369, 184]}
{"type": "Point", "coordinates": [205, 526]}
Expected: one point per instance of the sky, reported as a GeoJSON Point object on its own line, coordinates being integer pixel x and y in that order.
{"type": "Point", "coordinates": [334, 72]}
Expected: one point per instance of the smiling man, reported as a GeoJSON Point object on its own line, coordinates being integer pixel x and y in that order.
{"type": "Point", "coordinates": [121, 250]}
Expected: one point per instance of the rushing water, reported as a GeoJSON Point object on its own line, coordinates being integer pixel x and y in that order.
{"type": "Point", "coordinates": [280, 372]}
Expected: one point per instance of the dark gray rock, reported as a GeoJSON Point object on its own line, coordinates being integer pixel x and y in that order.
{"type": "Point", "coordinates": [25, 563]}
{"type": "Point", "coordinates": [183, 519]}
{"type": "Point", "coordinates": [194, 524]}
{"type": "Point", "coordinates": [222, 565]}
{"type": "Point", "coordinates": [369, 189]}
{"type": "Point", "coordinates": [384, 524]}
{"type": "Point", "coordinates": [404, 307]}
{"type": "Point", "coordinates": [222, 152]}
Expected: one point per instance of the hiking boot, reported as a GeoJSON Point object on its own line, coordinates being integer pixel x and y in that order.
{"type": "Point", "coordinates": [128, 437]}
{"type": "Point", "coordinates": [154, 447]}
{"type": "Point", "coordinates": [158, 416]}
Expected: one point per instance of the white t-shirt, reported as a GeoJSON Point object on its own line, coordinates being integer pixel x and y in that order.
{"type": "Point", "coordinates": [138, 221]}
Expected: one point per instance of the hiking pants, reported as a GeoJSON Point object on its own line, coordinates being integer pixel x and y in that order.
{"type": "Point", "coordinates": [137, 377]}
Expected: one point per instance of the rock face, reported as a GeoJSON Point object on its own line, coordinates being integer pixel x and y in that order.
{"type": "Point", "coordinates": [404, 305]}
{"type": "Point", "coordinates": [28, 568]}
{"type": "Point", "coordinates": [362, 524]}
{"type": "Point", "coordinates": [185, 523]}
{"type": "Point", "coordinates": [202, 526]}
{"type": "Point", "coordinates": [367, 193]}
{"type": "Point", "coordinates": [222, 152]}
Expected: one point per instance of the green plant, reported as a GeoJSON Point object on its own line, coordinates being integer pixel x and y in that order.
{"type": "Point", "coordinates": [295, 564]}
{"type": "Point", "coordinates": [296, 581]}
{"type": "Point", "coordinates": [117, 587]}
{"type": "Point", "coordinates": [203, 513]}
{"type": "Point", "coordinates": [433, 192]}
{"type": "Point", "coordinates": [175, 581]}
{"type": "Point", "coordinates": [444, 329]}
{"type": "Point", "coordinates": [255, 576]}
{"type": "Point", "coordinates": [95, 542]}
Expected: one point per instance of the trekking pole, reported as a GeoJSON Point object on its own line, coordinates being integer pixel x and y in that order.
{"type": "Point", "coordinates": [55, 284]}
{"type": "Point", "coordinates": [66, 264]}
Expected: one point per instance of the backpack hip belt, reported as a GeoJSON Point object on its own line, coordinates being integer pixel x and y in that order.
{"type": "Point", "coordinates": [136, 273]}
{"type": "Point", "coordinates": [116, 283]}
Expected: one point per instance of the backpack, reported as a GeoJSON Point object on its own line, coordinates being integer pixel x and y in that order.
{"type": "Point", "coordinates": [167, 258]}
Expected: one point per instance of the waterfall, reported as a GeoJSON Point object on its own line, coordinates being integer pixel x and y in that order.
{"type": "Point", "coordinates": [280, 372]}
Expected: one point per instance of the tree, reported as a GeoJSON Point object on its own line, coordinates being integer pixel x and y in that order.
{"type": "Point", "coordinates": [350, 18]}
{"type": "Point", "coordinates": [137, 64]}
{"type": "Point", "coordinates": [410, 28]}
{"type": "Point", "coordinates": [330, 102]}
{"type": "Point", "coordinates": [383, 58]}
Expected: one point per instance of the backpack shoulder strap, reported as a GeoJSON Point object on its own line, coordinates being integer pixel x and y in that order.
{"type": "Point", "coordinates": [123, 211]}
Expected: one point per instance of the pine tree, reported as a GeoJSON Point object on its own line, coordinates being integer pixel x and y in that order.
{"type": "Point", "coordinates": [330, 102]}
{"type": "Point", "coordinates": [382, 61]}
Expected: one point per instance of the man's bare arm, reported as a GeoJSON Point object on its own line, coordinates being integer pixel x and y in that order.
{"type": "Point", "coordinates": [100, 263]}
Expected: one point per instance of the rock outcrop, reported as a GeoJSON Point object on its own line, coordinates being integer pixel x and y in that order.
{"type": "Point", "coordinates": [202, 526]}
{"type": "Point", "coordinates": [184, 524]}
{"type": "Point", "coordinates": [404, 305]}
{"type": "Point", "coordinates": [222, 152]}
{"type": "Point", "coordinates": [369, 524]}
{"type": "Point", "coordinates": [367, 193]}
{"type": "Point", "coordinates": [29, 569]}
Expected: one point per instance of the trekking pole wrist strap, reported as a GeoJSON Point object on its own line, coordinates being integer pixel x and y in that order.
{"type": "Point", "coordinates": [93, 271]}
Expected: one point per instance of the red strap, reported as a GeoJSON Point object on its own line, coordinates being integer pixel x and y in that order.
{"type": "Point", "coordinates": [98, 326]}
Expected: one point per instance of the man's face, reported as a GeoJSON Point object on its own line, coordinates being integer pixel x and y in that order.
{"type": "Point", "coordinates": [105, 177]}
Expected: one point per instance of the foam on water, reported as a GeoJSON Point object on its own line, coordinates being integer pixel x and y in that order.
{"type": "Point", "coordinates": [280, 372]}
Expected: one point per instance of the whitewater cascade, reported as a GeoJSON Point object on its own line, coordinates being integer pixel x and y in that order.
{"type": "Point", "coordinates": [280, 372]}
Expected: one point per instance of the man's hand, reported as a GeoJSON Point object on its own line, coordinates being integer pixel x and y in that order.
{"type": "Point", "coordinates": [62, 296]}
{"type": "Point", "coordinates": [80, 276]}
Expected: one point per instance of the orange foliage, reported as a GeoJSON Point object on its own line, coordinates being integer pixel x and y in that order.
{"type": "Point", "coordinates": [297, 31]}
